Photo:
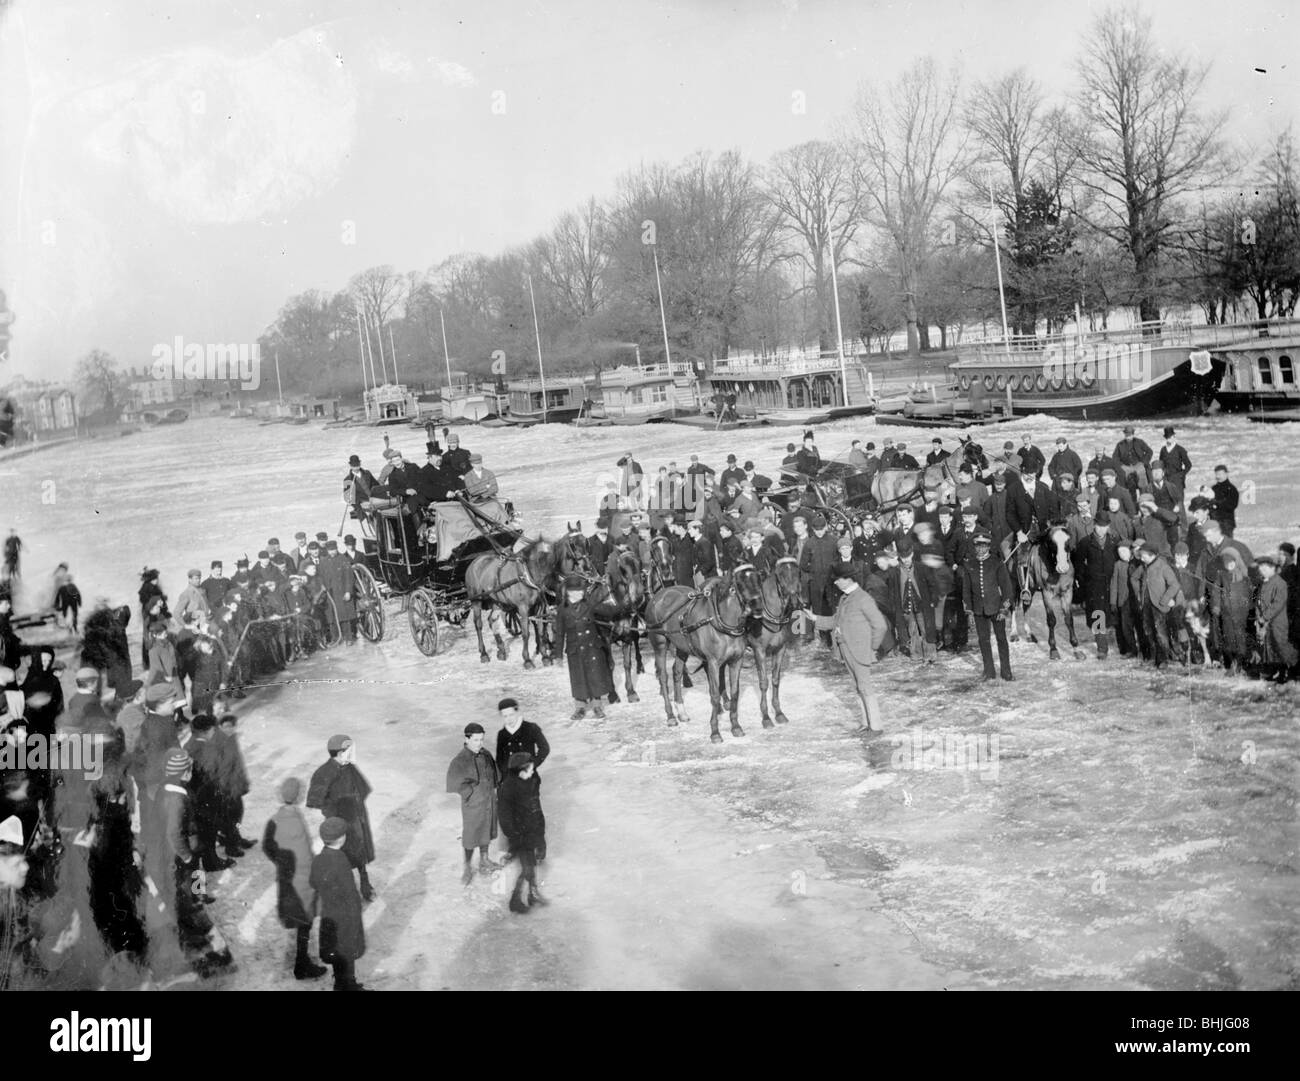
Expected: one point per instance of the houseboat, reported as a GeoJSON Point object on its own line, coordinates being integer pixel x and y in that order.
{"type": "Point", "coordinates": [1260, 373]}
{"type": "Point", "coordinates": [1148, 370]}
{"type": "Point", "coordinates": [465, 401]}
{"type": "Point", "coordinates": [389, 403]}
{"type": "Point", "coordinates": [643, 394]}
{"type": "Point", "coordinates": [794, 379]}
{"type": "Point", "coordinates": [563, 401]}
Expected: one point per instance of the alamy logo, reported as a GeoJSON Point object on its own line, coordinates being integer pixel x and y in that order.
{"type": "Point", "coordinates": [77, 1033]}
{"type": "Point", "coordinates": [948, 749]}
{"type": "Point", "coordinates": [215, 362]}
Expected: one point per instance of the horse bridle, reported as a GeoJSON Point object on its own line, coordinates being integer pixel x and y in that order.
{"type": "Point", "coordinates": [771, 622]}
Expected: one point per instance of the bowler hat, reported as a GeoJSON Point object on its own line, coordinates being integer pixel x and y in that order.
{"type": "Point", "coordinates": [354, 460]}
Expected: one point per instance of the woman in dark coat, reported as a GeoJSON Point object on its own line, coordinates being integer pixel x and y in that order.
{"type": "Point", "coordinates": [153, 605]}
{"type": "Point", "coordinates": [43, 692]}
{"type": "Point", "coordinates": [342, 934]}
{"type": "Point", "coordinates": [578, 637]}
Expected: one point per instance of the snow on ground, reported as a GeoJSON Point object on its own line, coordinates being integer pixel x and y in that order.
{"type": "Point", "coordinates": [1107, 826]}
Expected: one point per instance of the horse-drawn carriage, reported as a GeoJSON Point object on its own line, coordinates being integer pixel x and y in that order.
{"type": "Point", "coordinates": [421, 558]}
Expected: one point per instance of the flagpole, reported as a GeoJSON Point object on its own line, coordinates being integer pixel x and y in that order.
{"type": "Point", "coordinates": [537, 331]}
{"type": "Point", "coordinates": [663, 319]}
{"type": "Point", "coordinates": [362, 350]}
{"type": "Point", "coordinates": [997, 258]}
{"type": "Point", "coordinates": [446, 354]}
{"type": "Point", "coordinates": [392, 349]}
{"type": "Point", "coordinates": [370, 351]}
{"type": "Point", "coordinates": [835, 291]}
{"type": "Point", "coordinates": [279, 391]}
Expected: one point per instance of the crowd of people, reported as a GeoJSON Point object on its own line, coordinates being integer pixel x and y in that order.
{"type": "Point", "coordinates": [110, 877]}
{"type": "Point", "coordinates": [1155, 569]}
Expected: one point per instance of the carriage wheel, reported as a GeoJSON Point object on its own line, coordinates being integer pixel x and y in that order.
{"type": "Point", "coordinates": [422, 614]}
{"type": "Point", "coordinates": [370, 605]}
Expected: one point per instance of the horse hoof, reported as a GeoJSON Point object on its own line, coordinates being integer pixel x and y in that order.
{"type": "Point", "coordinates": [737, 731]}
{"type": "Point", "coordinates": [501, 654]}
{"type": "Point", "coordinates": [527, 664]}
{"type": "Point", "coordinates": [484, 658]}
{"type": "Point", "coordinates": [1055, 655]}
{"type": "Point", "coordinates": [672, 722]}
{"type": "Point", "coordinates": [781, 718]}
{"type": "Point", "coordinates": [1015, 638]}
{"type": "Point", "coordinates": [716, 737]}
{"type": "Point", "coordinates": [546, 662]}
{"type": "Point", "coordinates": [633, 696]}
{"type": "Point", "coordinates": [767, 723]}
{"type": "Point", "coordinates": [614, 698]}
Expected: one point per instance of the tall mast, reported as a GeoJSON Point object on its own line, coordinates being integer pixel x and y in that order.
{"type": "Point", "coordinates": [537, 331]}
{"type": "Point", "coordinates": [835, 292]}
{"type": "Point", "coordinates": [663, 319]}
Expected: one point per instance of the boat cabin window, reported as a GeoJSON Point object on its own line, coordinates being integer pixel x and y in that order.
{"type": "Point", "coordinates": [1285, 371]}
{"type": "Point", "coordinates": [1265, 372]}
{"type": "Point", "coordinates": [659, 393]}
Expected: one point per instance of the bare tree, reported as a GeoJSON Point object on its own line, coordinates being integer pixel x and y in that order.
{"type": "Point", "coordinates": [1143, 142]}
{"type": "Point", "coordinates": [379, 290]}
{"type": "Point", "coordinates": [573, 258]}
{"type": "Point", "coordinates": [817, 193]}
{"type": "Point", "coordinates": [910, 148]}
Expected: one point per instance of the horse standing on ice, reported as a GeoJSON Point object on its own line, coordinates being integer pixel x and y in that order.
{"type": "Point", "coordinates": [619, 604]}
{"type": "Point", "coordinates": [770, 632]}
{"type": "Point", "coordinates": [509, 580]}
{"type": "Point", "coordinates": [711, 624]}
{"type": "Point", "coordinates": [1050, 572]}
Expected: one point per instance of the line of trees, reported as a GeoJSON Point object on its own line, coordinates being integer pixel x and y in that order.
{"type": "Point", "coordinates": [1121, 197]}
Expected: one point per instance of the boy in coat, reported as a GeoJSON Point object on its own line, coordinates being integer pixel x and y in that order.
{"type": "Point", "coordinates": [524, 825]}
{"type": "Point", "coordinates": [1271, 624]}
{"type": "Point", "coordinates": [516, 735]}
{"type": "Point", "coordinates": [338, 790]}
{"type": "Point", "coordinates": [342, 934]}
{"type": "Point", "coordinates": [287, 844]}
{"type": "Point", "coordinates": [473, 776]}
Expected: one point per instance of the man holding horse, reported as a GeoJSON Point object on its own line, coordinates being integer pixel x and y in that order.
{"type": "Point", "coordinates": [578, 638]}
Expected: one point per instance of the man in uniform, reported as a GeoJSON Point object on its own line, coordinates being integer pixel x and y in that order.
{"type": "Point", "coordinates": [338, 580]}
{"type": "Point", "coordinates": [988, 595]}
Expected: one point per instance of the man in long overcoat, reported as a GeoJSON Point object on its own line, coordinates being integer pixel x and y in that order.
{"type": "Point", "coordinates": [287, 843]}
{"type": "Point", "coordinates": [339, 790]}
{"type": "Point", "coordinates": [860, 629]}
{"type": "Point", "coordinates": [579, 639]}
{"type": "Point", "coordinates": [473, 776]}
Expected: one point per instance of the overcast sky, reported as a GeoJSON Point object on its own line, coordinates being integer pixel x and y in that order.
{"type": "Point", "coordinates": [182, 167]}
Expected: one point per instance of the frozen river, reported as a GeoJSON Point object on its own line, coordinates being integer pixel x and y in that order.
{"type": "Point", "coordinates": [1137, 829]}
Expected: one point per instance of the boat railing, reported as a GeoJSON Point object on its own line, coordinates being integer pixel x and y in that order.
{"type": "Point", "coordinates": [1166, 332]}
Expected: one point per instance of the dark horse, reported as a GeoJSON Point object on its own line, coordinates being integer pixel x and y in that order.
{"type": "Point", "coordinates": [509, 580]}
{"type": "Point", "coordinates": [770, 632]}
{"type": "Point", "coordinates": [620, 602]}
{"type": "Point", "coordinates": [1051, 573]}
{"type": "Point", "coordinates": [710, 624]}
{"type": "Point", "coordinates": [661, 572]}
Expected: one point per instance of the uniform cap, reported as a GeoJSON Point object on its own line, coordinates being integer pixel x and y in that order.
{"type": "Point", "coordinates": [322, 537]}
{"type": "Point", "coordinates": [505, 704]}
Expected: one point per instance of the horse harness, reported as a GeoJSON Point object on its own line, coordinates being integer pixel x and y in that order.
{"type": "Point", "coordinates": [713, 617]}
